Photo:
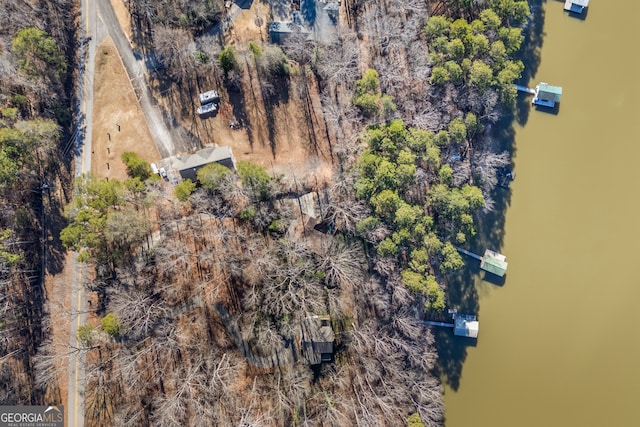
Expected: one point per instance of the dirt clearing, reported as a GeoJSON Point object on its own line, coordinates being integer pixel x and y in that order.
{"type": "Point", "coordinates": [284, 131]}
{"type": "Point", "coordinates": [118, 122]}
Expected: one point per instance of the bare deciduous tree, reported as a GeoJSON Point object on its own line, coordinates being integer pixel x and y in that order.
{"type": "Point", "coordinates": [174, 48]}
{"type": "Point", "coordinates": [342, 265]}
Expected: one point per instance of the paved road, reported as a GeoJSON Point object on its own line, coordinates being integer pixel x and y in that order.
{"type": "Point", "coordinates": [75, 397]}
{"type": "Point", "coordinates": [75, 400]}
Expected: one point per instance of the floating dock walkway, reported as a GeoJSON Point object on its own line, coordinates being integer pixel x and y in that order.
{"type": "Point", "coordinates": [525, 89]}
{"type": "Point", "coordinates": [467, 253]}
{"type": "Point", "coordinates": [443, 324]}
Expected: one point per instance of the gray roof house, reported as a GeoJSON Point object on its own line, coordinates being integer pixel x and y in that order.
{"type": "Point", "coordinates": [188, 166]}
{"type": "Point", "coordinates": [279, 30]}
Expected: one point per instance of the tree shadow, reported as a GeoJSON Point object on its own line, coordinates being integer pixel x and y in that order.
{"type": "Point", "coordinates": [452, 349]}
{"type": "Point", "coordinates": [239, 111]}
{"type": "Point", "coordinates": [141, 31]}
{"type": "Point", "coordinates": [554, 111]}
{"type": "Point", "coordinates": [494, 279]}
{"type": "Point", "coordinates": [172, 100]}
{"type": "Point", "coordinates": [530, 56]}
{"type": "Point", "coordinates": [280, 9]}
{"type": "Point", "coordinates": [278, 95]}
{"type": "Point", "coordinates": [308, 11]}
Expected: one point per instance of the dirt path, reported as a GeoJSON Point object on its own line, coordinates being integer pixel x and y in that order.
{"type": "Point", "coordinates": [58, 290]}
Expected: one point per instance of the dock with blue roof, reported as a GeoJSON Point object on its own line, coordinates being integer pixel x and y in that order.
{"type": "Point", "coordinates": [544, 95]}
{"type": "Point", "coordinates": [576, 6]}
{"type": "Point", "coordinates": [547, 95]}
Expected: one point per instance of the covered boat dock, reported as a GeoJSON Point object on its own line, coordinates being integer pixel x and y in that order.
{"type": "Point", "coordinates": [576, 6]}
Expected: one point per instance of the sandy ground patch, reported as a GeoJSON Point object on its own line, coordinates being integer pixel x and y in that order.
{"type": "Point", "coordinates": [245, 27]}
{"type": "Point", "coordinates": [118, 122]}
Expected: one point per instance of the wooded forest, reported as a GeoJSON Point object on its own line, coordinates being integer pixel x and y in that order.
{"type": "Point", "coordinates": [36, 77]}
{"type": "Point", "coordinates": [204, 291]}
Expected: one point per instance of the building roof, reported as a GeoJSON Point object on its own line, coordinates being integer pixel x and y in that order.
{"type": "Point", "coordinates": [200, 158]}
{"type": "Point", "coordinates": [466, 328]}
{"type": "Point", "coordinates": [281, 26]}
{"type": "Point", "coordinates": [207, 108]}
{"type": "Point", "coordinates": [547, 88]}
{"type": "Point", "coordinates": [209, 96]}
{"type": "Point", "coordinates": [286, 27]}
{"type": "Point", "coordinates": [332, 7]}
{"type": "Point", "coordinates": [583, 3]}
{"type": "Point", "coordinates": [317, 338]}
{"type": "Point", "coordinates": [494, 262]}
{"type": "Point", "coordinates": [309, 204]}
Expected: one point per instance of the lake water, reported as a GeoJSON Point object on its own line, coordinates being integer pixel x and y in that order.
{"type": "Point", "coordinates": [559, 341]}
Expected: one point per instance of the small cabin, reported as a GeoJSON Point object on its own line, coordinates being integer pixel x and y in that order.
{"type": "Point", "coordinates": [493, 262]}
{"type": "Point", "coordinates": [576, 6]}
{"type": "Point", "coordinates": [316, 342]}
{"type": "Point", "coordinates": [209, 97]}
{"type": "Point", "coordinates": [466, 326]}
{"type": "Point", "coordinates": [547, 95]}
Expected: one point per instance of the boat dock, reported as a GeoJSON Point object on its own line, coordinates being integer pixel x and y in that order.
{"type": "Point", "coordinates": [492, 261]}
{"type": "Point", "coordinates": [576, 6]}
{"type": "Point", "coordinates": [544, 95]}
{"type": "Point", "coordinates": [465, 325]}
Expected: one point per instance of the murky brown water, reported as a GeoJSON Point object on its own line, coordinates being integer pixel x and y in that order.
{"type": "Point", "coordinates": [559, 343]}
